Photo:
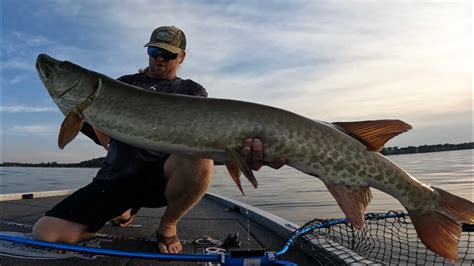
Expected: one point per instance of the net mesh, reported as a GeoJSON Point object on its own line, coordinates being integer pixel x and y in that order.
{"type": "Point", "coordinates": [383, 240]}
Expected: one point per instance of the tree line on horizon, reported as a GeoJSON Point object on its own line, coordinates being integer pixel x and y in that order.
{"type": "Point", "coordinates": [93, 163]}
{"type": "Point", "coordinates": [97, 162]}
{"type": "Point", "coordinates": [427, 148]}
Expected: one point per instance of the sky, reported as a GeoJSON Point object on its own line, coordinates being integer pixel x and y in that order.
{"type": "Point", "coordinates": [326, 60]}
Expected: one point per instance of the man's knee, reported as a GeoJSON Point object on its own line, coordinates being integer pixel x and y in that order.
{"type": "Point", "coordinates": [187, 175]}
{"type": "Point", "coordinates": [54, 229]}
{"type": "Point", "coordinates": [205, 168]}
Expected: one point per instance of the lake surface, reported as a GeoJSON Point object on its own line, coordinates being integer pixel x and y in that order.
{"type": "Point", "coordinates": [285, 192]}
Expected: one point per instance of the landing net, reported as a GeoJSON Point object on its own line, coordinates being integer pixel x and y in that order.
{"type": "Point", "coordinates": [387, 238]}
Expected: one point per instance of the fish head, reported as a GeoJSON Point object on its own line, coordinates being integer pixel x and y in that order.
{"type": "Point", "coordinates": [67, 83]}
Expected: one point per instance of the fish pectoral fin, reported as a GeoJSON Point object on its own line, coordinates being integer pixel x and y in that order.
{"type": "Point", "coordinates": [352, 200]}
{"type": "Point", "coordinates": [103, 138]}
{"type": "Point", "coordinates": [242, 165]}
{"type": "Point", "coordinates": [70, 127]}
{"type": "Point", "coordinates": [374, 133]}
{"type": "Point", "coordinates": [235, 174]}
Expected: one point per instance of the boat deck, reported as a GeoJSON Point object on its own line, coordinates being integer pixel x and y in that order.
{"type": "Point", "coordinates": [209, 218]}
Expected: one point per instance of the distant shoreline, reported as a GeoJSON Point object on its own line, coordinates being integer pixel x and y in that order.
{"type": "Point", "coordinates": [97, 162]}
{"type": "Point", "coordinates": [427, 148]}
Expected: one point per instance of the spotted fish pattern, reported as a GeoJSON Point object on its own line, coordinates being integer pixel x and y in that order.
{"type": "Point", "coordinates": [344, 155]}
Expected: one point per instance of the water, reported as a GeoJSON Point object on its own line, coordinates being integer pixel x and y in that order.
{"type": "Point", "coordinates": [285, 192]}
{"type": "Point", "coordinates": [28, 179]}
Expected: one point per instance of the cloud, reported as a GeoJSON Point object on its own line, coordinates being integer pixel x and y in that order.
{"type": "Point", "coordinates": [19, 56]}
{"type": "Point", "coordinates": [18, 44]}
{"type": "Point", "coordinates": [17, 64]}
{"type": "Point", "coordinates": [34, 129]}
{"type": "Point", "coordinates": [349, 60]}
{"type": "Point", "coordinates": [45, 132]}
{"type": "Point", "coordinates": [337, 61]}
{"type": "Point", "coordinates": [26, 109]}
{"type": "Point", "coordinates": [18, 79]}
{"type": "Point", "coordinates": [33, 39]}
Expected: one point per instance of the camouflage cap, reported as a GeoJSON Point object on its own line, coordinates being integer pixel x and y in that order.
{"type": "Point", "coordinates": [169, 38]}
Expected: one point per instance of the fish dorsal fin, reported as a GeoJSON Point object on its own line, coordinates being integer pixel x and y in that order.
{"type": "Point", "coordinates": [70, 127]}
{"type": "Point", "coordinates": [374, 133]}
{"type": "Point", "coordinates": [103, 138]}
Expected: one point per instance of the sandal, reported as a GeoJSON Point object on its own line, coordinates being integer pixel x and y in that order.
{"type": "Point", "coordinates": [167, 241]}
{"type": "Point", "coordinates": [122, 223]}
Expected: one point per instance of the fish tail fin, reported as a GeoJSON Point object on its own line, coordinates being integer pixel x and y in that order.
{"type": "Point", "coordinates": [440, 229]}
{"type": "Point", "coordinates": [460, 209]}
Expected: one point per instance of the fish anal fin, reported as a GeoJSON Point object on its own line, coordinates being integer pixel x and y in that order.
{"type": "Point", "coordinates": [352, 200]}
{"type": "Point", "coordinates": [70, 127]}
{"type": "Point", "coordinates": [440, 230]}
{"type": "Point", "coordinates": [235, 174]}
{"type": "Point", "coordinates": [242, 165]}
{"type": "Point", "coordinates": [374, 133]}
{"type": "Point", "coordinates": [103, 138]}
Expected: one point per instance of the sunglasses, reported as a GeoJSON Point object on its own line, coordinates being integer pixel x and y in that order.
{"type": "Point", "coordinates": [156, 51]}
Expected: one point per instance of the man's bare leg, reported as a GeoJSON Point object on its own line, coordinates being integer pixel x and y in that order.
{"type": "Point", "coordinates": [54, 229]}
{"type": "Point", "coordinates": [189, 178]}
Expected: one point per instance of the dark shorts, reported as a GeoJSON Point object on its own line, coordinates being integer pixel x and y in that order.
{"type": "Point", "coordinates": [103, 200]}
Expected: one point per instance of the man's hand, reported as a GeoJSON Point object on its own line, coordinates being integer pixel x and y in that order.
{"type": "Point", "coordinates": [252, 151]}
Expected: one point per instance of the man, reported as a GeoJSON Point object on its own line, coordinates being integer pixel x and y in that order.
{"type": "Point", "coordinates": [131, 178]}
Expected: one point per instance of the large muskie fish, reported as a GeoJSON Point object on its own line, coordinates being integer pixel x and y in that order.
{"type": "Point", "coordinates": [343, 155]}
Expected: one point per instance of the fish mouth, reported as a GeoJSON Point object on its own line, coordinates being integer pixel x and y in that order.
{"type": "Point", "coordinates": [46, 65]}
{"type": "Point", "coordinates": [68, 89]}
